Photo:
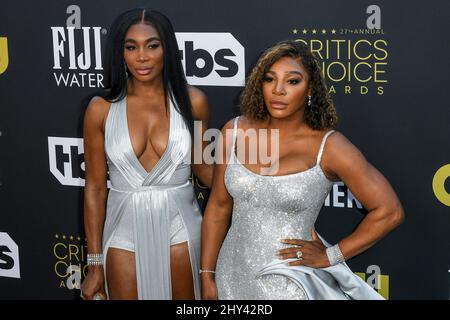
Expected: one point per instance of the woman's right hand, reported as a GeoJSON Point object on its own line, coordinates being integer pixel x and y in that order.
{"type": "Point", "coordinates": [209, 288]}
{"type": "Point", "coordinates": [94, 284]}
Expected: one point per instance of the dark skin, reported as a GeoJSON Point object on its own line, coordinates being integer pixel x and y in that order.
{"type": "Point", "coordinates": [286, 88]}
{"type": "Point", "coordinates": [148, 122]}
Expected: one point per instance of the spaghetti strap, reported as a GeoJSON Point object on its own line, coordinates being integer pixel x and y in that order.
{"type": "Point", "coordinates": [324, 139]}
{"type": "Point", "coordinates": [232, 156]}
{"type": "Point", "coordinates": [234, 133]}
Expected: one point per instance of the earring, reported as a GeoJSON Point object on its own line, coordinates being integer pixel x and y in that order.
{"type": "Point", "coordinates": [125, 67]}
{"type": "Point", "coordinates": [309, 101]}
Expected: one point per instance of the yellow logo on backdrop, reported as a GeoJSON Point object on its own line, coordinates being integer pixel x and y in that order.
{"type": "Point", "coordinates": [439, 184]}
{"type": "Point", "coordinates": [70, 255]}
{"type": "Point", "coordinates": [4, 60]}
{"type": "Point", "coordinates": [376, 280]}
{"type": "Point", "coordinates": [352, 60]}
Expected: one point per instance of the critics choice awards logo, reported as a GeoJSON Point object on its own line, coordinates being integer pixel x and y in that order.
{"type": "Point", "coordinates": [70, 260]}
{"type": "Point", "coordinates": [353, 60]}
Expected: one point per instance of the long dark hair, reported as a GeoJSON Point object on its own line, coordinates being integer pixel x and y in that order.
{"type": "Point", "coordinates": [174, 80]}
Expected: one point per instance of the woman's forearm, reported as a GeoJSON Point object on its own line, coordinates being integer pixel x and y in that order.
{"type": "Point", "coordinates": [372, 228]}
{"type": "Point", "coordinates": [214, 231]}
{"type": "Point", "coordinates": [94, 217]}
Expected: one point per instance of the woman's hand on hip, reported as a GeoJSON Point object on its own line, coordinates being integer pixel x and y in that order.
{"type": "Point", "coordinates": [308, 253]}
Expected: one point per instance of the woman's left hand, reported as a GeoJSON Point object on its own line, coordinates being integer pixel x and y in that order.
{"type": "Point", "coordinates": [313, 253]}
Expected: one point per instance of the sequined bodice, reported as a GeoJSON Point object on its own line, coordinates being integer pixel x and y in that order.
{"type": "Point", "coordinates": [267, 209]}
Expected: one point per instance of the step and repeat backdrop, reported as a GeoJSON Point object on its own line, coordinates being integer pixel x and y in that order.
{"type": "Point", "coordinates": [385, 63]}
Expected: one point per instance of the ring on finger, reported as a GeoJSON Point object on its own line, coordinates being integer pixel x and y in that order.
{"type": "Point", "coordinates": [299, 254]}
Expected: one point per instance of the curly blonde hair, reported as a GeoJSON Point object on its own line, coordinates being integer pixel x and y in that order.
{"type": "Point", "coordinates": [320, 115]}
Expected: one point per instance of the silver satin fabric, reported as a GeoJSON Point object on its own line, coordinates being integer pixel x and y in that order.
{"type": "Point", "coordinates": [150, 197]}
{"type": "Point", "coordinates": [124, 235]}
{"type": "Point", "coordinates": [267, 209]}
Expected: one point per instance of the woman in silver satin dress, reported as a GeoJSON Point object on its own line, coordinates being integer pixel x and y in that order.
{"type": "Point", "coordinates": [271, 250]}
{"type": "Point", "coordinates": [143, 236]}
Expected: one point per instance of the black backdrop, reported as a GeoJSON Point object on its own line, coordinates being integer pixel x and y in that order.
{"type": "Point", "coordinates": [389, 85]}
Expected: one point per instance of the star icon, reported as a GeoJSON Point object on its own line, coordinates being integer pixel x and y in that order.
{"type": "Point", "coordinates": [295, 31]}
{"type": "Point", "coordinates": [305, 31]}
{"type": "Point", "coordinates": [64, 237]}
{"type": "Point", "coordinates": [314, 31]}
{"type": "Point", "coordinates": [333, 31]}
{"type": "Point", "coordinates": [71, 237]}
{"type": "Point", "coordinates": [324, 31]}
{"type": "Point", "coordinates": [56, 236]}
{"type": "Point", "coordinates": [78, 238]}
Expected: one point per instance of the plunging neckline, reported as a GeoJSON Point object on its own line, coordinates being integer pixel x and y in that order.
{"type": "Point", "coordinates": [148, 173]}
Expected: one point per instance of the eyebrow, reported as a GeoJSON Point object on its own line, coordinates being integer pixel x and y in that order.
{"type": "Point", "coordinates": [289, 72]}
{"type": "Point", "coordinates": [146, 41]}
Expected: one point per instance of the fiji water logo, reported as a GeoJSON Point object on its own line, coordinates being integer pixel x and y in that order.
{"type": "Point", "coordinates": [77, 52]}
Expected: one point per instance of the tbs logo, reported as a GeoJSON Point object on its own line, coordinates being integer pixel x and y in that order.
{"type": "Point", "coordinates": [212, 59]}
{"type": "Point", "coordinates": [9, 257]}
{"type": "Point", "coordinates": [66, 159]}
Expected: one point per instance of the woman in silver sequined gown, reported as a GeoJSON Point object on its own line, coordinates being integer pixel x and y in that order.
{"type": "Point", "coordinates": [271, 250]}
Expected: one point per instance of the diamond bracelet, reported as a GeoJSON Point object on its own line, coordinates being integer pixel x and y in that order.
{"type": "Point", "coordinates": [204, 270]}
{"type": "Point", "coordinates": [335, 255]}
{"type": "Point", "coordinates": [95, 259]}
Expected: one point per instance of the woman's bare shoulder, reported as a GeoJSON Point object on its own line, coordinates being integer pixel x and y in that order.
{"type": "Point", "coordinates": [248, 123]}
{"type": "Point", "coordinates": [97, 110]}
{"type": "Point", "coordinates": [199, 103]}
